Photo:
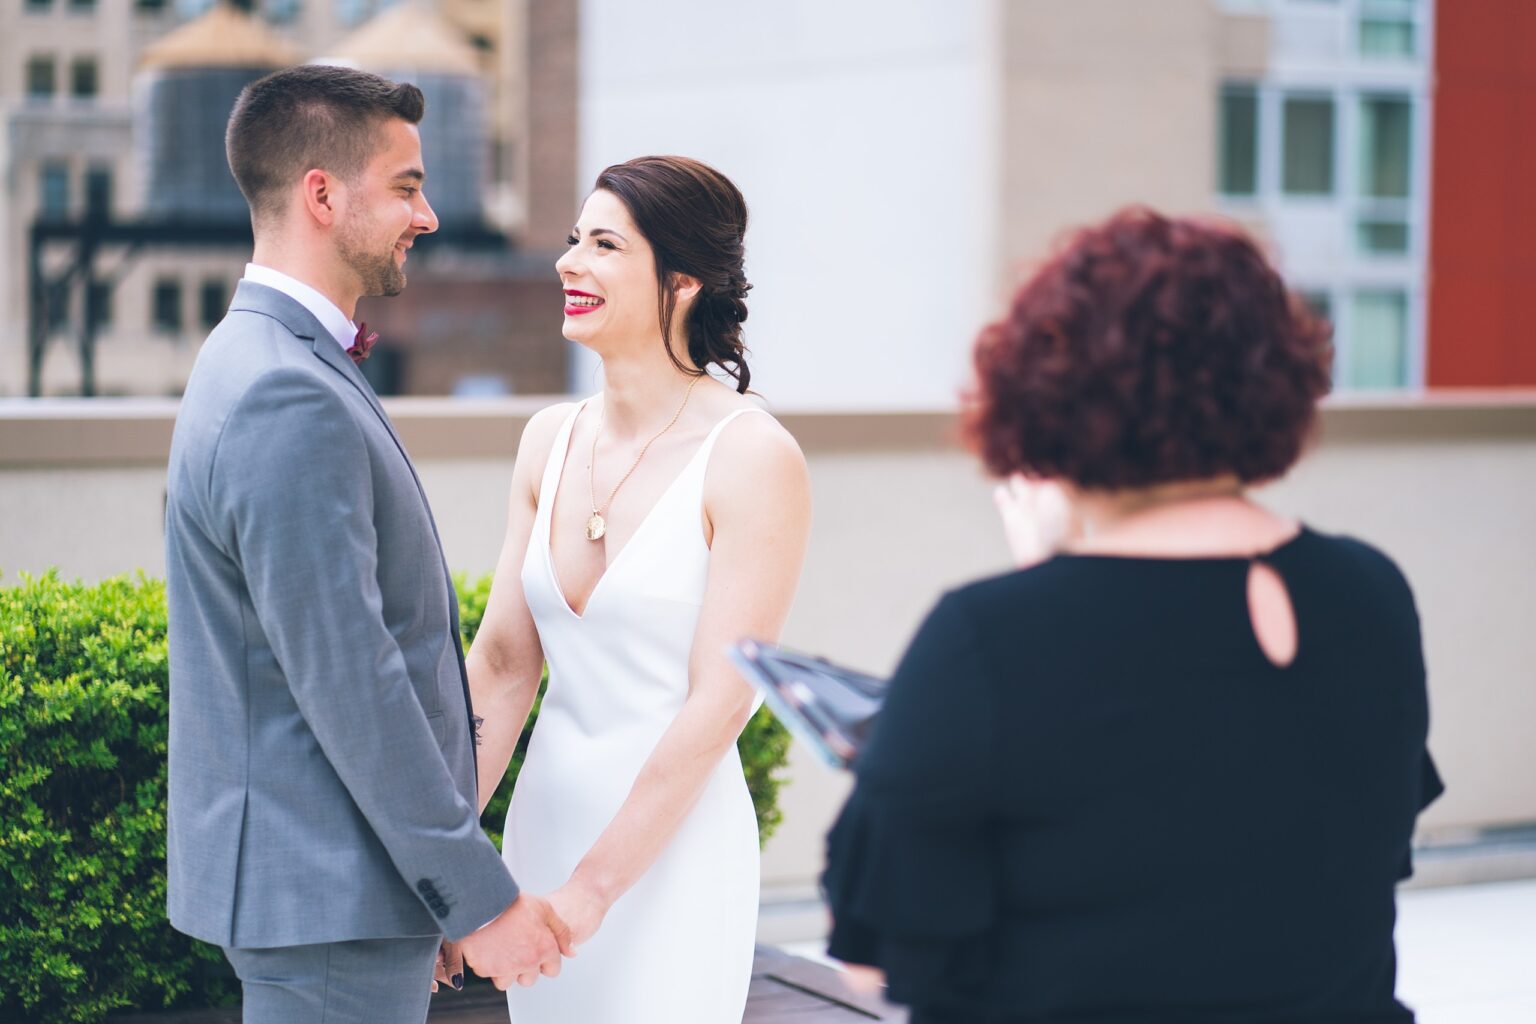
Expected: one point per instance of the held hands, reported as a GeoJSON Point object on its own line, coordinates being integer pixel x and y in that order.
{"type": "Point", "coordinates": [581, 908]}
{"type": "Point", "coordinates": [1037, 518]}
{"type": "Point", "coordinates": [527, 940]}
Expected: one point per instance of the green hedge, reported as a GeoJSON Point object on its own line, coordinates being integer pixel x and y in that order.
{"type": "Point", "coordinates": [83, 705]}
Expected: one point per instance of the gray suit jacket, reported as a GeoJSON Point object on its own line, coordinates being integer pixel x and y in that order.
{"type": "Point", "coordinates": [322, 763]}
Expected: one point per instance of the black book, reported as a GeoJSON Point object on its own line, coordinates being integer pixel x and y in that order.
{"type": "Point", "coordinates": [829, 708]}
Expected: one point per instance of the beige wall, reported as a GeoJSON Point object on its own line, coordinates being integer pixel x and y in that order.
{"type": "Point", "coordinates": [1447, 487]}
{"type": "Point", "coordinates": [1104, 103]}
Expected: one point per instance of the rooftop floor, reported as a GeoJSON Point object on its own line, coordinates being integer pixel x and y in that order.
{"type": "Point", "coordinates": [1466, 955]}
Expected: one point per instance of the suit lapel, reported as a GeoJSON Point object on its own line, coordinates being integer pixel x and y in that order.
{"type": "Point", "coordinates": [342, 363]}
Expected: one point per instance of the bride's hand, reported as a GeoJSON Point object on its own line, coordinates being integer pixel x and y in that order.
{"type": "Point", "coordinates": [1037, 518]}
{"type": "Point", "coordinates": [580, 908]}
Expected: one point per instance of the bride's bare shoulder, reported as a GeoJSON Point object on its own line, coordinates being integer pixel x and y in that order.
{"type": "Point", "coordinates": [538, 439]}
{"type": "Point", "coordinates": [756, 447]}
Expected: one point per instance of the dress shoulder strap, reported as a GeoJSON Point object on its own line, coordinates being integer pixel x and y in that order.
{"type": "Point", "coordinates": [556, 461]}
{"type": "Point", "coordinates": [714, 433]}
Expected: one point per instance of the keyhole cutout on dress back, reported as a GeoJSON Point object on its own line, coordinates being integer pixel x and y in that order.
{"type": "Point", "coordinates": [1271, 614]}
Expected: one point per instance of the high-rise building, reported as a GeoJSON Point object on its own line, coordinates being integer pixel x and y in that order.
{"type": "Point", "coordinates": [905, 165]}
{"type": "Point", "coordinates": [1322, 140]}
{"type": "Point", "coordinates": [116, 110]}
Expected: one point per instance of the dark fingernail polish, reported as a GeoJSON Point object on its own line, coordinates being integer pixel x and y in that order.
{"type": "Point", "coordinates": [458, 982]}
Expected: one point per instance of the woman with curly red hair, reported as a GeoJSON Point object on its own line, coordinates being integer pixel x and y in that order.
{"type": "Point", "coordinates": [1169, 769]}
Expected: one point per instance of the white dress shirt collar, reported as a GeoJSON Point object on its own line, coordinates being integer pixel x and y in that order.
{"type": "Point", "coordinates": [327, 312]}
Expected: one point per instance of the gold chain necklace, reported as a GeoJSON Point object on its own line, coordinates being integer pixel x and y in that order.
{"type": "Point", "coordinates": [597, 526]}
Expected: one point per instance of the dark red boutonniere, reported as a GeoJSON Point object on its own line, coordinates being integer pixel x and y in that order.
{"type": "Point", "coordinates": [362, 344]}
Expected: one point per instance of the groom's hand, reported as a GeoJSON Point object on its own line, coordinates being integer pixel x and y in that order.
{"type": "Point", "coordinates": [527, 940]}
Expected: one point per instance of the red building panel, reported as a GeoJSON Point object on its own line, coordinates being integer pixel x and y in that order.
{"type": "Point", "coordinates": [1482, 257]}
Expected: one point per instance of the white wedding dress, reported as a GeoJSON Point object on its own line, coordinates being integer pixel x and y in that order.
{"type": "Point", "coordinates": [677, 947]}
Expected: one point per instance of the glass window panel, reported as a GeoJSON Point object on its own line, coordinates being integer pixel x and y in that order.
{"type": "Point", "coordinates": [40, 77]}
{"type": "Point", "coordinates": [54, 180]}
{"type": "Point", "coordinates": [1383, 236]}
{"type": "Point", "coordinates": [1385, 146]}
{"type": "Point", "coordinates": [1308, 145]}
{"type": "Point", "coordinates": [1386, 37]}
{"type": "Point", "coordinates": [1239, 129]}
{"type": "Point", "coordinates": [167, 305]}
{"type": "Point", "coordinates": [98, 191]}
{"type": "Point", "coordinates": [1378, 342]}
{"type": "Point", "coordinates": [82, 79]}
{"type": "Point", "coordinates": [214, 302]}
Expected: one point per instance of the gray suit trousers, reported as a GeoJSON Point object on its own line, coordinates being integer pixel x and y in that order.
{"type": "Point", "coordinates": [369, 981]}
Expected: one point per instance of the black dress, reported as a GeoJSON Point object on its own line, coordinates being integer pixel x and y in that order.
{"type": "Point", "coordinates": [1092, 798]}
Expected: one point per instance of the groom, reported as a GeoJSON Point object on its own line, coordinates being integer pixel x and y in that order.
{"type": "Point", "coordinates": [322, 808]}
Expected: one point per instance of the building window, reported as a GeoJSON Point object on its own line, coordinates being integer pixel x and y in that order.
{"type": "Point", "coordinates": [1307, 166]}
{"type": "Point", "coordinates": [99, 303]}
{"type": "Point", "coordinates": [1385, 237]}
{"type": "Point", "coordinates": [83, 84]}
{"type": "Point", "coordinates": [1378, 340]}
{"type": "Point", "coordinates": [214, 302]}
{"type": "Point", "coordinates": [38, 6]}
{"type": "Point", "coordinates": [192, 8]}
{"type": "Point", "coordinates": [149, 5]}
{"type": "Point", "coordinates": [1386, 37]}
{"type": "Point", "coordinates": [167, 304]}
{"type": "Point", "coordinates": [83, 6]}
{"type": "Point", "coordinates": [1385, 151]}
{"type": "Point", "coordinates": [1386, 173]}
{"type": "Point", "coordinates": [98, 192]}
{"type": "Point", "coordinates": [54, 182]}
{"type": "Point", "coordinates": [41, 84]}
{"type": "Point", "coordinates": [1239, 141]}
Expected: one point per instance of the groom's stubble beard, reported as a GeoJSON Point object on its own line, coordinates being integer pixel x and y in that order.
{"type": "Point", "coordinates": [377, 273]}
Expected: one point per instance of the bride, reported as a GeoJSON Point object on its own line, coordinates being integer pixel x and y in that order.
{"type": "Point", "coordinates": [651, 526]}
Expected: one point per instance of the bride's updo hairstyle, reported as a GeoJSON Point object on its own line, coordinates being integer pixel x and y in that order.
{"type": "Point", "coordinates": [695, 220]}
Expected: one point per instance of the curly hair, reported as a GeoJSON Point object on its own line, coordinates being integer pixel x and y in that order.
{"type": "Point", "coordinates": [696, 222]}
{"type": "Point", "coordinates": [1149, 350]}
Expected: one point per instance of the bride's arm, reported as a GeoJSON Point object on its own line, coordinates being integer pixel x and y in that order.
{"type": "Point", "coordinates": [506, 660]}
{"type": "Point", "coordinates": [757, 502]}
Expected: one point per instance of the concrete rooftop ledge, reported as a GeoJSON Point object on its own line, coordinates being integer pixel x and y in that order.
{"type": "Point", "coordinates": [126, 431]}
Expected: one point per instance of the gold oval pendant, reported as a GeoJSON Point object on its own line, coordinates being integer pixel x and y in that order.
{"type": "Point", "coordinates": [596, 527]}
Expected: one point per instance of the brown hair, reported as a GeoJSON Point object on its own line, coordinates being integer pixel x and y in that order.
{"type": "Point", "coordinates": [312, 116]}
{"type": "Point", "coordinates": [1149, 350]}
{"type": "Point", "coordinates": [695, 220]}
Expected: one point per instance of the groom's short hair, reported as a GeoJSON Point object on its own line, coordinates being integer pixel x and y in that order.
{"type": "Point", "coordinates": [312, 116]}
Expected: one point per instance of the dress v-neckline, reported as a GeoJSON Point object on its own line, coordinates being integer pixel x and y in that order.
{"type": "Point", "coordinates": [549, 526]}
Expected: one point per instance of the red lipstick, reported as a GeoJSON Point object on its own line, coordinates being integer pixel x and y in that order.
{"type": "Point", "coordinates": [577, 309]}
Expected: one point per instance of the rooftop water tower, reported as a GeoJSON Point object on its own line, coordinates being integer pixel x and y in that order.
{"type": "Point", "coordinates": [412, 43]}
{"type": "Point", "coordinates": [187, 85]}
